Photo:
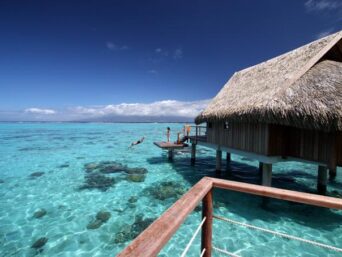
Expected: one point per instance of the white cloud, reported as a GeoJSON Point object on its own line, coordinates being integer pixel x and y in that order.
{"type": "Point", "coordinates": [159, 108]}
{"type": "Point", "coordinates": [325, 33]}
{"type": "Point", "coordinates": [165, 108]}
{"type": "Point", "coordinates": [40, 111]}
{"type": "Point", "coordinates": [111, 46]}
{"type": "Point", "coordinates": [161, 52]}
{"type": "Point", "coordinates": [178, 54]}
{"type": "Point", "coordinates": [175, 54]}
{"type": "Point", "coordinates": [152, 71]}
{"type": "Point", "coordinates": [323, 5]}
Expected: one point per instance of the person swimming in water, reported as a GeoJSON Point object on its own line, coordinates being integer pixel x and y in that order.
{"type": "Point", "coordinates": [137, 142]}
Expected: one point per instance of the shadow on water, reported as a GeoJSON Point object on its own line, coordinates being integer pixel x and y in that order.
{"type": "Point", "coordinates": [237, 171]}
{"type": "Point", "coordinates": [252, 207]}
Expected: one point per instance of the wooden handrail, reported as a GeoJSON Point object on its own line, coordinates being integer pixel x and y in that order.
{"type": "Point", "coordinates": [198, 126]}
{"type": "Point", "coordinates": [153, 239]}
{"type": "Point", "coordinates": [283, 194]}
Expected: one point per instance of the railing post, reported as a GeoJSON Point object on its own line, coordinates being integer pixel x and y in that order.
{"type": "Point", "coordinates": [207, 229]}
{"type": "Point", "coordinates": [196, 134]}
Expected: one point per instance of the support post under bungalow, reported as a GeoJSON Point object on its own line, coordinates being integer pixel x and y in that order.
{"type": "Point", "coordinates": [260, 172]}
{"type": "Point", "coordinates": [228, 160]}
{"type": "Point", "coordinates": [322, 180]}
{"type": "Point", "coordinates": [266, 174]}
{"type": "Point", "coordinates": [193, 153]}
{"type": "Point", "coordinates": [332, 173]}
{"type": "Point", "coordinates": [170, 154]}
{"type": "Point", "coordinates": [265, 170]}
{"type": "Point", "coordinates": [218, 160]}
{"type": "Point", "coordinates": [228, 166]}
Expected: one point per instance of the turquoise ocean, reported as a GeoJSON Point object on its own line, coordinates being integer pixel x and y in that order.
{"type": "Point", "coordinates": [69, 189]}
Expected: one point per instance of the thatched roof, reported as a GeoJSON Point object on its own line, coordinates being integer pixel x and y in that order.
{"type": "Point", "coordinates": [300, 88]}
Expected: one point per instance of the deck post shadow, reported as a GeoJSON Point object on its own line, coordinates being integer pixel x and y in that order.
{"type": "Point", "coordinates": [170, 154]}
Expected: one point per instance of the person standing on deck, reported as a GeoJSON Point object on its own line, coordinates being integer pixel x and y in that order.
{"type": "Point", "coordinates": [178, 138]}
{"type": "Point", "coordinates": [168, 130]}
{"type": "Point", "coordinates": [188, 129]}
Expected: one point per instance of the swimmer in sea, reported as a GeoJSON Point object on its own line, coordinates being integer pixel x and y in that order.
{"type": "Point", "coordinates": [137, 142]}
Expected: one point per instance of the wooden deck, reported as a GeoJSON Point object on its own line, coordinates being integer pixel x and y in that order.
{"type": "Point", "coordinates": [152, 240]}
{"type": "Point", "coordinates": [169, 145]}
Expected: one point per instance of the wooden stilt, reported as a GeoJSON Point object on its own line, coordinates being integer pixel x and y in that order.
{"type": "Point", "coordinates": [193, 153]}
{"type": "Point", "coordinates": [260, 172]}
{"type": "Point", "coordinates": [265, 170]}
{"type": "Point", "coordinates": [332, 173]}
{"type": "Point", "coordinates": [170, 154]}
{"type": "Point", "coordinates": [322, 180]}
{"type": "Point", "coordinates": [266, 174]}
{"type": "Point", "coordinates": [218, 160]}
{"type": "Point", "coordinates": [228, 161]}
{"type": "Point", "coordinates": [260, 166]}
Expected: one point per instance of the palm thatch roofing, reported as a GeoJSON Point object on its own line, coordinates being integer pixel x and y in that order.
{"type": "Point", "coordinates": [301, 88]}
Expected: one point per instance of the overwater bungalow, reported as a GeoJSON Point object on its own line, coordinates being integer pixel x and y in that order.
{"type": "Point", "coordinates": [286, 108]}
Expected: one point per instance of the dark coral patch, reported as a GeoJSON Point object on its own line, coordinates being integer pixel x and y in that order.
{"type": "Point", "coordinates": [36, 174]}
{"type": "Point", "coordinates": [100, 218]}
{"type": "Point", "coordinates": [129, 232]}
{"type": "Point", "coordinates": [39, 243]}
{"type": "Point", "coordinates": [136, 177]}
{"type": "Point", "coordinates": [165, 190]}
{"type": "Point", "coordinates": [97, 181]}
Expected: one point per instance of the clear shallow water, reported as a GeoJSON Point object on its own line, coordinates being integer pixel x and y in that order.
{"type": "Point", "coordinates": [61, 151]}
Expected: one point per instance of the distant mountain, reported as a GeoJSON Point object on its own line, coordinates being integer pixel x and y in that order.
{"type": "Point", "coordinates": [125, 118]}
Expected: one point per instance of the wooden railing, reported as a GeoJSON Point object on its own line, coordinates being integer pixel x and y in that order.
{"type": "Point", "coordinates": [153, 239]}
{"type": "Point", "coordinates": [198, 133]}
{"type": "Point", "coordinates": [200, 130]}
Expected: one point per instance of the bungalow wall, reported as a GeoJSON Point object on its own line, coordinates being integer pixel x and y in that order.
{"type": "Point", "coordinates": [249, 137]}
{"type": "Point", "coordinates": [312, 145]}
{"type": "Point", "coordinates": [277, 140]}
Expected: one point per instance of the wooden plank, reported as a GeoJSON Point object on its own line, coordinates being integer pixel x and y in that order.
{"type": "Point", "coordinates": [288, 195]}
{"type": "Point", "coordinates": [152, 239]}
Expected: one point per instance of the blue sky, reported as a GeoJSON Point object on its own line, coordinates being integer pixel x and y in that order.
{"type": "Point", "coordinates": [62, 60]}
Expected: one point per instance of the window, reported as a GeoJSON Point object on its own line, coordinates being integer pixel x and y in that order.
{"type": "Point", "coordinates": [210, 125]}
{"type": "Point", "coordinates": [226, 125]}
